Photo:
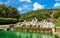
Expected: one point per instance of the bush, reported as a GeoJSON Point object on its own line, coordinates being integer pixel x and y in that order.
{"type": "Point", "coordinates": [57, 23]}
{"type": "Point", "coordinates": [58, 18]}
{"type": "Point", "coordinates": [7, 21]}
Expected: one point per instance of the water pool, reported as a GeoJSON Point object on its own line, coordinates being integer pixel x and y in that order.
{"type": "Point", "coordinates": [11, 34]}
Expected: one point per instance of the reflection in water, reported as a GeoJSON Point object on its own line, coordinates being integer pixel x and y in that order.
{"type": "Point", "coordinates": [9, 34]}
{"type": "Point", "coordinates": [35, 35]}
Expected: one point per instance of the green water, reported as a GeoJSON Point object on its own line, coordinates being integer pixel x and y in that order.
{"type": "Point", "coordinates": [11, 34]}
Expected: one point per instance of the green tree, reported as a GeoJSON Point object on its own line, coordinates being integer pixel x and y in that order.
{"type": "Point", "coordinates": [9, 12]}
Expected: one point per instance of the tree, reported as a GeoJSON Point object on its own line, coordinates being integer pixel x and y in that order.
{"type": "Point", "coordinates": [9, 12]}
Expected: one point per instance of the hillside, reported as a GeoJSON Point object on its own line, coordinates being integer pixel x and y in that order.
{"type": "Point", "coordinates": [42, 14]}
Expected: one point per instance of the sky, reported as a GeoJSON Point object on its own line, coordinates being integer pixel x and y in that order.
{"type": "Point", "coordinates": [24, 6]}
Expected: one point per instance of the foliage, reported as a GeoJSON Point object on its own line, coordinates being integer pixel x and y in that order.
{"type": "Point", "coordinates": [8, 12]}
{"type": "Point", "coordinates": [56, 13]}
{"type": "Point", "coordinates": [57, 23]}
{"type": "Point", "coordinates": [58, 18]}
{"type": "Point", "coordinates": [8, 21]}
{"type": "Point", "coordinates": [43, 14]}
{"type": "Point", "coordinates": [8, 15]}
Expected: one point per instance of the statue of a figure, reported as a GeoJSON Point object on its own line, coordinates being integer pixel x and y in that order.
{"type": "Point", "coordinates": [24, 20]}
{"type": "Point", "coordinates": [36, 20]}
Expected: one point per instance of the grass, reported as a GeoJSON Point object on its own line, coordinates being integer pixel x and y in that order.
{"type": "Point", "coordinates": [57, 23]}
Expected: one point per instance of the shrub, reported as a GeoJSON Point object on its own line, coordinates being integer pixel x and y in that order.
{"type": "Point", "coordinates": [7, 21]}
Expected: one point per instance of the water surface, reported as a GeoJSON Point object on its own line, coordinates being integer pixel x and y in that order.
{"type": "Point", "coordinates": [11, 34]}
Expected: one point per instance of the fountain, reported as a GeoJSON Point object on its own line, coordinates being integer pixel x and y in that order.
{"type": "Point", "coordinates": [36, 23]}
